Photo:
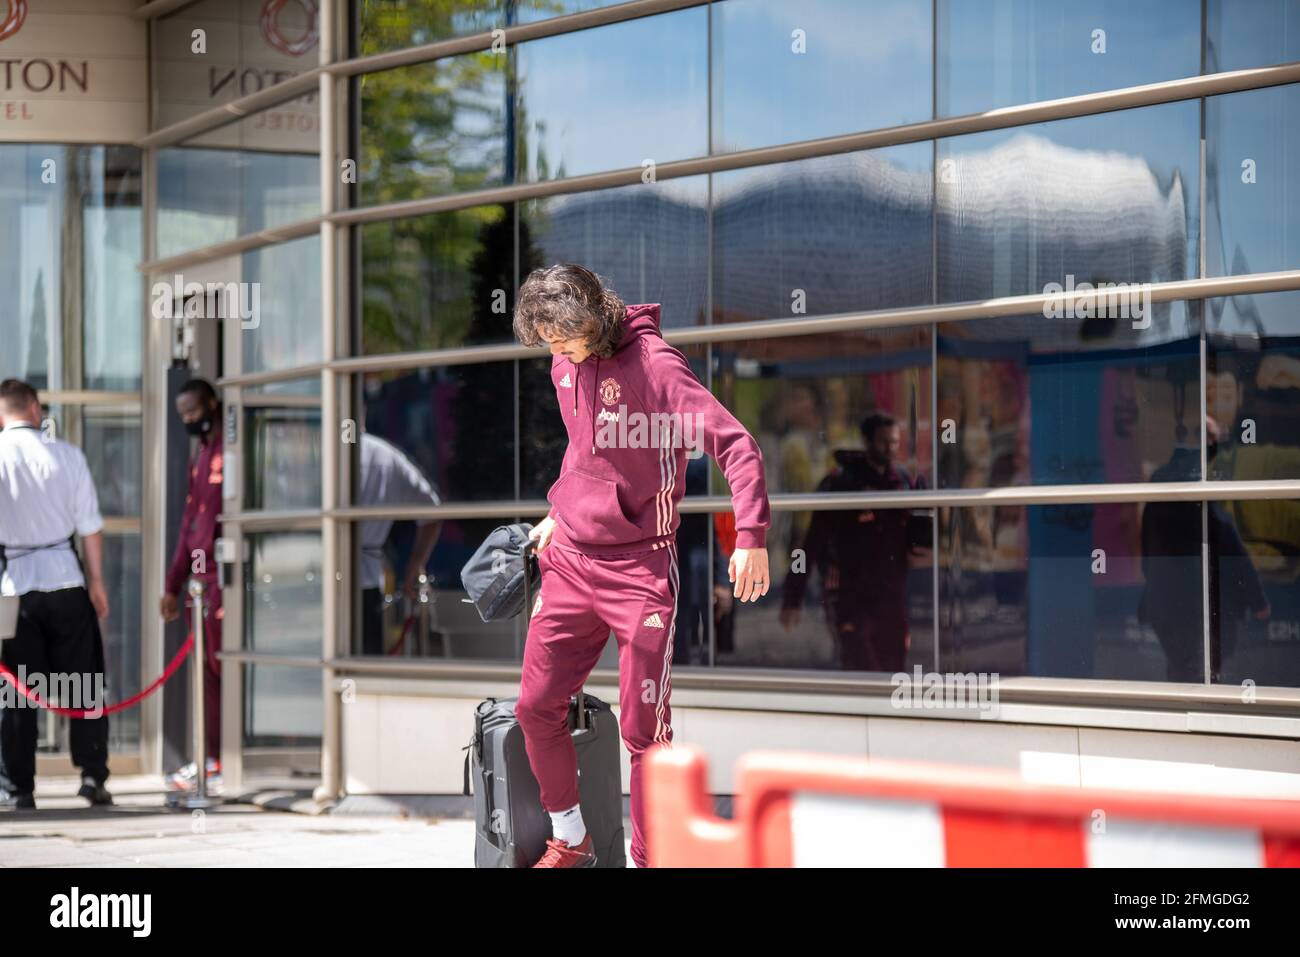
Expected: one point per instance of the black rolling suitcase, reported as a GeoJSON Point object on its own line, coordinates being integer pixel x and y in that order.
{"type": "Point", "coordinates": [512, 827]}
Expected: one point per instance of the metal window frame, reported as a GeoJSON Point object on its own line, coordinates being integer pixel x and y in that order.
{"type": "Point", "coordinates": [336, 367]}
{"type": "Point", "coordinates": [1152, 94]}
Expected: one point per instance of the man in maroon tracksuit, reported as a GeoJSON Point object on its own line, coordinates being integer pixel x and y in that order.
{"type": "Point", "coordinates": [195, 557]}
{"type": "Point", "coordinates": [607, 550]}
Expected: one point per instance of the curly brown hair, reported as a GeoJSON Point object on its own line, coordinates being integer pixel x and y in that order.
{"type": "Point", "coordinates": [569, 301]}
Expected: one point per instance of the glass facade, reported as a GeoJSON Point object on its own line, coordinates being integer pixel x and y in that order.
{"type": "Point", "coordinates": [1099, 398]}
{"type": "Point", "coordinates": [71, 232]}
{"type": "Point", "coordinates": [416, 372]}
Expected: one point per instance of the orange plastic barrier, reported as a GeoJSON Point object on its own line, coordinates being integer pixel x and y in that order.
{"type": "Point", "coordinates": [814, 810]}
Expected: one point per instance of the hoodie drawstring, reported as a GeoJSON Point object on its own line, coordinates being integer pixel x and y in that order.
{"type": "Point", "coordinates": [594, 386]}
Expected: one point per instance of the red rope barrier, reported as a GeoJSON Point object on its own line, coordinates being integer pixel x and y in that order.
{"type": "Point", "coordinates": [111, 709]}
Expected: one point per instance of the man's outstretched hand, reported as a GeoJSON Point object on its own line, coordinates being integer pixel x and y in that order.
{"type": "Point", "coordinates": [748, 569]}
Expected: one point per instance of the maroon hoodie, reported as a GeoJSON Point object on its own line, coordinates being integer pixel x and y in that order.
{"type": "Point", "coordinates": [632, 418]}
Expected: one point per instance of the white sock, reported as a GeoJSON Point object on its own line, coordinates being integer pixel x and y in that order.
{"type": "Point", "coordinates": [567, 826]}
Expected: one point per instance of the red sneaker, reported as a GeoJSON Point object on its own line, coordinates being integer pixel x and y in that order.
{"type": "Point", "coordinates": [559, 854]}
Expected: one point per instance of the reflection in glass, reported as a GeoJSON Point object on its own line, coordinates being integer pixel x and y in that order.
{"type": "Point", "coordinates": [648, 241]}
{"type": "Point", "coordinates": [1252, 386]}
{"type": "Point", "coordinates": [110, 438]}
{"type": "Point", "coordinates": [995, 53]}
{"type": "Point", "coordinates": [431, 128]}
{"type": "Point", "coordinates": [704, 599]}
{"type": "Point", "coordinates": [542, 436]}
{"type": "Point", "coordinates": [852, 66]}
{"type": "Point", "coordinates": [1255, 594]}
{"type": "Point", "coordinates": [1066, 591]}
{"type": "Point", "coordinates": [251, 175]}
{"type": "Point", "coordinates": [854, 594]}
{"type": "Point", "coordinates": [1029, 399]}
{"type": "Point", "coordinates": [613, 97]}
{"type": "Point", "coordinates": [286, 330]}
{"type": "Point", "coordinates": [433, 622]}
{"type": "Point", "coordinates": [253, 45]}
{"type": "Point", "coordinates": [82, 330]}
{"type": "Point", "coordinates": [455, 423]}
{"type": "Point", "coordinates": [430, 282]}
{"type": "Point", "coordinates": [388, 478]}
{"type": "Point", "coordinates": [1252, 202]}
{"type": "Point", "coordinates": [121, 632]}
{"type": "Point", "coordinates": [866, 561]}
{"type": "Point", "coordinates": [1109, 198]}
{"type": "Point", "coordinates": [282, 448]}
{"type": "Point", "coordinates": [112, 244]}
{"type": "Point", "coordinates": [383, 25]}
{"type": "Point", "coordinates": [282, 706]}
{"type": "Point", "coordinates": [805, 400]}
{"type": "Point", "coordinates": [113, 447]}
{"type": "Point", "coordinates": [282, 593]}
{"type": "Point", "coordinates": [1244, 33]}
{"type": "Point", "coordinates": [825, 235]}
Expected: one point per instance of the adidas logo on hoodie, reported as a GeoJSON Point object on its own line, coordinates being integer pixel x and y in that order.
{"type": "Point", "coordinates": [565, 382]}
{"type": "Point", "coordinates": [654, 621]}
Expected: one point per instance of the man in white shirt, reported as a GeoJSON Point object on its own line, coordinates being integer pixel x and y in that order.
{"type": "Point", "coordinates": [47, 497]}
{"type": "Point", "coordinates": [388, 477]}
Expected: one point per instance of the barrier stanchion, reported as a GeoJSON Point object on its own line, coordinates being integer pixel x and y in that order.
{"type": "Point", "coordinates": [825, 811]}
{"type": "Point", "coordinates": [198, 798]}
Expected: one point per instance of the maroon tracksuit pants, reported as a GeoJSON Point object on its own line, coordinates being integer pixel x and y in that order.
{"type": "Point", "coordinates": [582, 599]}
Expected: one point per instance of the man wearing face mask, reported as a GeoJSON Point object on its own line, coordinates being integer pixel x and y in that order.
{"type": "Point", "coordinates": [195, 557]}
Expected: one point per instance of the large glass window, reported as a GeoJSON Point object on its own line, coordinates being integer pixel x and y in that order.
{"type": "Point", "coordinates": [799, 71]}
{"type": "Point", "coordinates": [1072, 591]}
{"type": "Point", "coordinates": [832, 234]}
{"type": "Point", "coordinates": [455, 424]}
{"type": "Point", "coordinates": [1102, 395]}
{"type": "Point", "coordinates": [1252, 387]}
{"type": "Point", "coordinates": [1252, 203]}
{"type": "Point", "coordinates": [1107, 198]}
{"type": "Point", "coordinates": [258, 173]}
{"type": "Point", "coordinates": [1244, 33]}
{"type": "Point", "coordinates": [282, 448]}
{"type": "Point", "coordinates": [407, 596]}
{"type": "Point", "coordinates": [598, 99]}
{"type": "Point", "coordinates": [121, 632]}
{"type": "Point", "coordinates": [1059, 401]}
{"type": "Point", "coordinates": [437, 281]}
{"type": "Point", "coordinates": [432, 128]}
{"type": "Point", "coordinates": [282, 286]}
{"type": "Point", "coordinates": [854, 592]}
{"type": "Point", "coordinates": [1255, 592]}
{"type": "Point", "coordinates": [70, 236]}
{"type": "Point", "coordinates": [383, 25]}
{"type": "Point", "coordinates": [995, 53]}
{"type": "Point", "coordinates": [243, 47]}
{"type": "Point", "coordinates": [649, 241]}
{"type": "Point", "coordinates": [809, 400]}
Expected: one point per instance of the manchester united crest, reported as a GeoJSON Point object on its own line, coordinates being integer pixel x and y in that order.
{"type": "Point", "coordinates": [610, 391]}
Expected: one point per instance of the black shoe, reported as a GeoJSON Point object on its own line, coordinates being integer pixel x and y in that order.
{"type": "Point", "coordinates": [17, 800]}
{"type": "Point", "coordinates": [94, 792]}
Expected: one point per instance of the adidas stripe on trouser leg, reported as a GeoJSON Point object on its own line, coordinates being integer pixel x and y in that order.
{"type": "Point", "coordinates": [580, 601]}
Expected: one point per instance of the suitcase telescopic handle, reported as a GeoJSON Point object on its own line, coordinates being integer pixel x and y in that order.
{"type": "Point", "coordinates": [530, 548]}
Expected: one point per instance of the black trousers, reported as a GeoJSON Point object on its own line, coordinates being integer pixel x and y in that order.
{"type": "Point", "coordinates": [57, 634]}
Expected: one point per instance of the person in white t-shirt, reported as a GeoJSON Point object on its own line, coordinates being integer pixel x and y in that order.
{"type": "Point", "coordinates": [47, 499]}
{"type": "Point", "coordinates": [388, 477]}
